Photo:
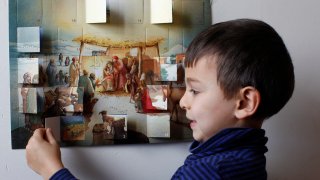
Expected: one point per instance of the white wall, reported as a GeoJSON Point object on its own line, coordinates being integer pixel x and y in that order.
{"type": "Point", "coordinates": [293, 133]}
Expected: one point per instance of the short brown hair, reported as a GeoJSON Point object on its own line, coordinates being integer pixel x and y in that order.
{"type": "Point", "coordinates": [247, 53]}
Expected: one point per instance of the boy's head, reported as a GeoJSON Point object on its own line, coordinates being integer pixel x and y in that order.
{"type": "Point", "coordinates": [250, 65]}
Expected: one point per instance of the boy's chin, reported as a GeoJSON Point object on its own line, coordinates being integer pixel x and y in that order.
{"type": "Point", "coordinates": [197, 137]}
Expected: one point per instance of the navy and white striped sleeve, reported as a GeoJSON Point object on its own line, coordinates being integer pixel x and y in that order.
{"type": "Point", "coordinates": [63, 174]}
{"type": "Point", "coordinates": [196, 171]}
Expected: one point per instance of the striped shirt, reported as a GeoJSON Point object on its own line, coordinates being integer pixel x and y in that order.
{"type": "Point", "coordinates": [63, 174]}
{"type": "Point", "coordinates": [235, 153]}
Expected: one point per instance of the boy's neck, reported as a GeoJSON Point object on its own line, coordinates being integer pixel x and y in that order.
{"type": "Point", "coordinates": [249, 123]}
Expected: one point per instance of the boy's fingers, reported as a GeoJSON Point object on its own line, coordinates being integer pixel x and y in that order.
{"type": "Point", "coordinates": [38, 136]}
{"type": "Point", "coordinates": [39, 133]}
{"type": "Point", "coordinates": [50, 136]}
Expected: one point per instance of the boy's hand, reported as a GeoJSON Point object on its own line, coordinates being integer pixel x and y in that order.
{"type": "Point", "coordinates": [43, 153]}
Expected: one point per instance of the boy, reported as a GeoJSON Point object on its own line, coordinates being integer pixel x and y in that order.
{"type": "Point", "coordinates": [238, 73]}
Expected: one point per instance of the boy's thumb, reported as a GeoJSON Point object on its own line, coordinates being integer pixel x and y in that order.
{"type": "Point", "coordinates": [50, 136]}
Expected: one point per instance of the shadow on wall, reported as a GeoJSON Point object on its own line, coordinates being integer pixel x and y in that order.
{"type": "Point", "coordinates": [86, 165]}
{"type": "Point", "coordinates": [294, 139]}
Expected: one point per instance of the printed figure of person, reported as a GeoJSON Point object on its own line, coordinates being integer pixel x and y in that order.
{"type": "Point", "coordinates": [40, 100]}
{"type": "Point", "coordinates": [92, 78]}
{"type": "Point", "coordinates": [108, 77]}
{"type": "Point", "coordinates": [42, 76]}
{"type": "Point", "coordinates": [53, 105]}
{"type": "Point", "coordinates": [133, 79]}
{"type": "Point", "coordinates": [61, 77]}
{"type": "Point", "coordinates": [60, 59]}
{"type": "Point", "coordinates": [122, 75]}
{"type": "Point", "coordinates": [51, 72]}
{"type": "Point", "coordinates": [128, 84]}
{"type": "Point", "coordinates": [29, 100]}
{"type": "Point", "coordinates": [67, 61]}
{"type": "Point", "coordinates": [143, 80]}
{"type": "Point", "coordinates": [74, 72]}
{"type": "Point", "coordinates": [138, 101]}
{"type": "Point", "coordinates": [66, 78]}
{"type": "Point", "coordinates": [27, 78]}
{"type": "Point", "coordinates": [120, 72]}
{"type": "Point", "coordinates": [115, 61]}
{"type": "Point", "coordinates": [24, 93]}
{"type": "Point", "coordinates": [88, 91]}
{"type": "Point", "coordinates": [133, 86]}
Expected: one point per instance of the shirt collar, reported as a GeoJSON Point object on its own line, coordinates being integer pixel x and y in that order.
{"type": "Point", "coordinates": [231, 138]}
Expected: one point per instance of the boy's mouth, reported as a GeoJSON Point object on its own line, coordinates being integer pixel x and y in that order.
{"type": "Point", "coordinates": [193, 123]}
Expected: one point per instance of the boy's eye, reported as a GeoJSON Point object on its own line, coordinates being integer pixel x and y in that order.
{"type": "Point", "coordinates": [194, 91]}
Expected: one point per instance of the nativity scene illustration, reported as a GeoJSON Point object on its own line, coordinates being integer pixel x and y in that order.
{"type": "Point", "coordinates": [101, 84]}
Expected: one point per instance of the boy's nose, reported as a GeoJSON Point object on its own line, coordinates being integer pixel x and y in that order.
{"type": "Point", "coordinates": [183, 103]}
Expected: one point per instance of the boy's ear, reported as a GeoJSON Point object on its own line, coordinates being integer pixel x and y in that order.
{"type": "Point", "coordinates": [247, 102]}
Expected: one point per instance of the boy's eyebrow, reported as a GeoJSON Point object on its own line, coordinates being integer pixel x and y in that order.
{"type": "Point", "coordinates": [193, 80]}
